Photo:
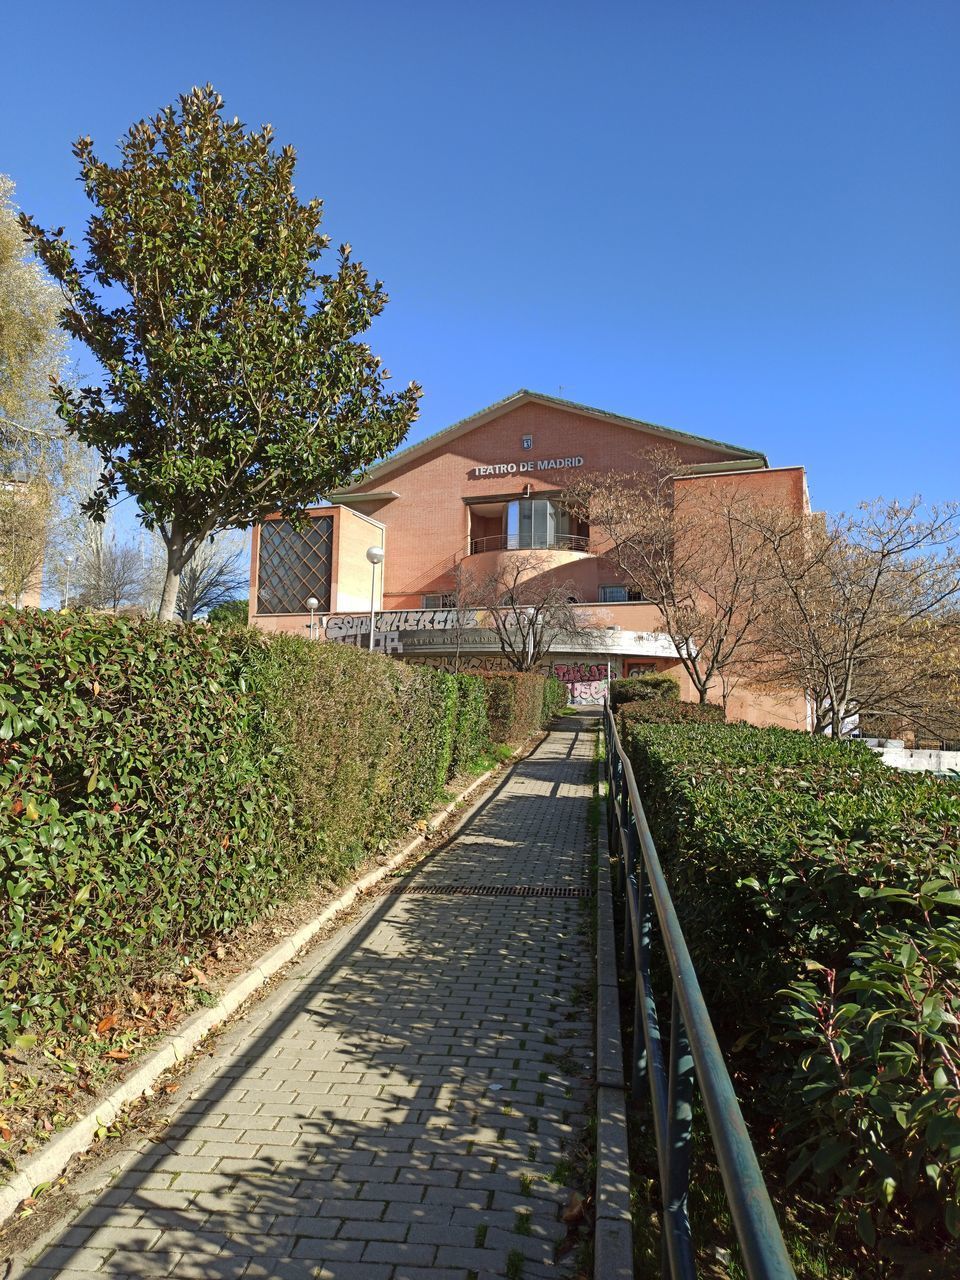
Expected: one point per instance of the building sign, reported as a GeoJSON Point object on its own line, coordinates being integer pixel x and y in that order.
{"type": "Point", "coordinates": [525, 468]}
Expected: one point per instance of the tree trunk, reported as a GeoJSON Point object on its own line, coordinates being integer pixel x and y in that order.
{"type": "Point", "coordinates": [171, 583]}
{"type": "Point", "coordinates": [168, 600]}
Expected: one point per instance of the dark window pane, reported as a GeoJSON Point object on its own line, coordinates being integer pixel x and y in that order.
{"type": "Point", "coordinates": [293, 565]}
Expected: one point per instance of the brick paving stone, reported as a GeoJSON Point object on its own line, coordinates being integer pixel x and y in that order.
{"type": "Point", "coordinates": [399, 1089]}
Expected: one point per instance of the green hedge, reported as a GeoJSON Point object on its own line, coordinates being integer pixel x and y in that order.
{"type": "Point", "coordinates": [162, 784]}
{"type": "Point", "coordinates": [656, 686]}
{"type": "Point", "coordinates": [555, 698]}
{"type": "Point", "coordinates": [368, 742]}
{"type": "Point", "coordinates": [666, 711]}
{"type": "Point", "coordinates": [472, 730]}
{"type": "Point", "coordinates": [819, 893]}
{"type": "Point", "coordinates": [516, 704]}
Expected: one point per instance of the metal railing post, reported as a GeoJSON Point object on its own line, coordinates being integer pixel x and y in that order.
{"type": "Point", "coordinates": [678, 1256]}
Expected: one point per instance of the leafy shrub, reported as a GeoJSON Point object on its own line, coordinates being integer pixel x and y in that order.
{"type": "Point", "coordinates": [471, 731]}
{"type": "Point", "coordinates": [515, 704]}
{"type": "Point", "coordinates": [655, 686]}
{"type": "Point", "coordinates": [162, 784]}
{"type": "Point", "coordinates": [818, 891]}
{"type": "Point", "coordinates": [879, 1068]}
{"type": "Point", "coordinates": [666, 711]}
{"type": "Point", "coordinates": [367, 743]}
{"type": "Point", "coordinates": [142, 801]}
{"type": "Point", "coordinates": [555, 697]}
{"type": "Point", "coordinates": [232, 613]}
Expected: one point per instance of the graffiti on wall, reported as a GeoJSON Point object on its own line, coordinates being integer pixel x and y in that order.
{"type": "Point", "coordinates": [586, 681]}
{"type": "Point", "coordinates": [347, 626]}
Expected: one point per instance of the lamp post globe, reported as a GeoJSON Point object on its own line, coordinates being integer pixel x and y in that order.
{"type": "Point", "coordinates": [312, 604]}
{"type": "Point", "coordinates": [375, 555]}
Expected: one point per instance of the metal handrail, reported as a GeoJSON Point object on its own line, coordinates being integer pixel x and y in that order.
{"type": "Point", "coordinates": [511, 542]}
{"type": "Point", "coordinates": [693, 1051]}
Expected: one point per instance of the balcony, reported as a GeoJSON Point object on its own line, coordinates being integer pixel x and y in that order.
{"type": "Point", "coordinates": [512, 542]}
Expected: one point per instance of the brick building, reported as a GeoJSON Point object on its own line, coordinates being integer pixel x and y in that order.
{"type": "Point", "coordinates": [469, 498]}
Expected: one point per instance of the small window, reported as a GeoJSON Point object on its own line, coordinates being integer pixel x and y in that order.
{"type": "Point", "coordinates": [621, 595]}
{"type": "Point", "coordinates": [527, 442]}
{"type": "Point", "coordinates": [446, 601]}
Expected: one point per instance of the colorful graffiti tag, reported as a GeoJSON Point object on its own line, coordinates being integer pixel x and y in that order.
{"type": "Point", "coordinates": [586, 681]}
{"type": "Point", "coordinates": [350, 628]}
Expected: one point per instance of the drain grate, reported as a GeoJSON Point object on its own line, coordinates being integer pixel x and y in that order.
{"type": "Point", "coordinates": [492, 890]}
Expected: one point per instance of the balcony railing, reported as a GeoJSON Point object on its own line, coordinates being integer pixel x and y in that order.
{"type": "Point", "coordinates": [510, 542]}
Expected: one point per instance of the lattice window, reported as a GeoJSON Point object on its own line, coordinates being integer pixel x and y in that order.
{"type": "Point", "coordinates": [294, 565]}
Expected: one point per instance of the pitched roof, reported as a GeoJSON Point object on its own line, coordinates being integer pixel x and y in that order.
{"type": "Point", "coordinates": [523, 396]}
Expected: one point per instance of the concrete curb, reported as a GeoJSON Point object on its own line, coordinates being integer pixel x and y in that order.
{"type": "Point", "coordinates": [613, 1237]}
{"type": "Point", "coordinates": [47, 1164]}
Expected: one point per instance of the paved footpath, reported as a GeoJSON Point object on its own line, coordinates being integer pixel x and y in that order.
{"type": "Point", "coordinates": [402, 1107]}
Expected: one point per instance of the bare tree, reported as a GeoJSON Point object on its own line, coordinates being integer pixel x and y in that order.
{"type": "Point", "coordinates": [529, 609]}
{"type": "Point", "coordinates": [72, 470]}
{"type": "Point", "coordinates": [215, 575]}
{"type": "Point", "coordinates": [108, 573]}
{"type": "Point", "coordinates": [694, 552]}
{"type": "Point", "coordinates": [866, 617]}
{"type": "Point", "coordinates": [24, 507]}
{"type": "Point", "coordinates": [31, 437]}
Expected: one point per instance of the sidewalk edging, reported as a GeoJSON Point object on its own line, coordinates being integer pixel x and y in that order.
{"type": "Point", "coordinates": [613, 1237]}
{"type": "Point", "coordinates": [49, 1162]}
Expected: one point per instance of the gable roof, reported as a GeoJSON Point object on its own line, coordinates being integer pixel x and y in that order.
{"type": "Point", "coordinates": [521, 397]}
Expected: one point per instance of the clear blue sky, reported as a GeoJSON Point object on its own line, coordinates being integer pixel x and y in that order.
{"type": "Point", "coordinates": [740, 219]}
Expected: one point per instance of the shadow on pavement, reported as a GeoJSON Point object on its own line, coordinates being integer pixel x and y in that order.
{"type": "Point", "coordinates": [412, 1109]}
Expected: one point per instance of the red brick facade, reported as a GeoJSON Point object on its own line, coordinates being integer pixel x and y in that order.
{"type": "Point", "coordinates": [443, 502]}
{"type": "Point", "coordinates": [428, 524]}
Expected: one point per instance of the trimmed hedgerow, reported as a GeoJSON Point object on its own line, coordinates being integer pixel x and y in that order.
{"type": "Point", "coordinates": [820, 894]}
{"type": "Point", "coordinates": [666, 711]}
{"type": "Point", "coordinates": [514, 704]}
{"type": "Point", "coordinates": [141, 802]}
{"type": "Point", "coordinates": [555, 698]}
{"type": "Point", "coordinates": [517, 703]}
{"type": "Point", "coordinates": [472, 731]}
{"type": "Point", "coordinates": [366, 742]}
{"type": "Point", "coordinates": [162, 784]}
{"type": "Point", "coordinates": [654, 687]}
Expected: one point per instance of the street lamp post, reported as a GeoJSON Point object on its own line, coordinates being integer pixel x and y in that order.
{"type": "Point", "coordinates": [312, 604]}
{"type": "Point", "coordinates": [375, 556]}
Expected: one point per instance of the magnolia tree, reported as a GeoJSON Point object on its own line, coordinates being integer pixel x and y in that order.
{"type": "Point", "coordinates": [866, 616]}
{"type": "Point", "coordinates": [235, 379]}
{"type": "Point", "coordinates": [695, 554]}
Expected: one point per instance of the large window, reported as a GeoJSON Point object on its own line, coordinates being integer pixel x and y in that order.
{"type": "Point", "coordinates": [620, 595]}
{"type": "Point", "coordinates": [294, 565]}
{"type": "Point", "coordinates": [536, 522]}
